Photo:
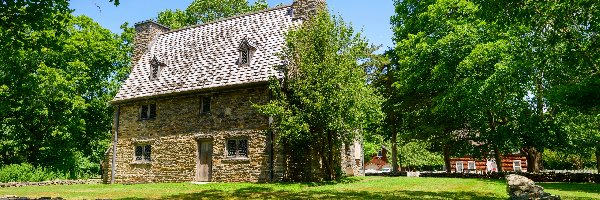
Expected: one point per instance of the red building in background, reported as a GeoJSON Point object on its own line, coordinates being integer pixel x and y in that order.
{"type": "Point", "coordinates": [378, 161]}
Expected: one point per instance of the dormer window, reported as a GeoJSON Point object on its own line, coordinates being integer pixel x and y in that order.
{"type": "Point", "coordinates": [246, 49]}
{"type": "Point", "coordinates": [245, 55]}
{"type": "Point", "coordinates": [155, 68]}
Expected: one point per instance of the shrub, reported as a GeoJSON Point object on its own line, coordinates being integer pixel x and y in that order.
{"type": "Point", "coordinates": [27, 173]}
{"type": "Point", "coordinates": [557, 160]}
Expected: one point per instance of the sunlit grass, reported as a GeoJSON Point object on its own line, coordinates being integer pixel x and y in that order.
{"type": "Point", "coordinates": [352, 188]}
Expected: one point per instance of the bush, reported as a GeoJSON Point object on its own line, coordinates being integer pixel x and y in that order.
{"type": "Point", "coordinates": [556, 160]}
{"type": "Point", "coordinates": [27, 173]}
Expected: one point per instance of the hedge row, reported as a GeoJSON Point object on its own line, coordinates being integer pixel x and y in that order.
{"type": "Point", "coordinates": [27, 173]}
{"type": "Point", "coordinates": [537, 177]}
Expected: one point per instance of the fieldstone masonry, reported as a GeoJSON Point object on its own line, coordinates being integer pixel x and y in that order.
{"type": "Point", "coordinates": [522, 188]}
{"type": "Point", "coordinates": [304, 9]}
{"type": "Point", "coordinates": [175, 133]}
{"type": "Point", "coordinates": [200, 62]}
{"type": "Point", "coordinates": [146, 32]}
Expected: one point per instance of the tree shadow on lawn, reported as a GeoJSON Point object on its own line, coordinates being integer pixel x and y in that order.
{"type": "Point", "coordinates": [254, 192]}
{"type": "Point", "coordinates": [593, 188]}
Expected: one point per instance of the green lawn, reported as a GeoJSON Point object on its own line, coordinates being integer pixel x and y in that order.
{"type": "Point", "coordinates": [368, 188]}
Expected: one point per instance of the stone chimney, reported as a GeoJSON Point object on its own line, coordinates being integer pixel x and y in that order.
{"type": "Point", "coordinates": [304, 9]}
{"type": "Point", "coordinates": [145, 33]}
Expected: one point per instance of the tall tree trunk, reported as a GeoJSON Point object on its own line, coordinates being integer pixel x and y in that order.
{"type": "Point", "coordinates": [534, 160]}
{"type": "Point", "coordinates": [394, 150]}
{"type": "Point", "coordinates": [392, 122]}
{"type": "Point", "coordinates": [498, 158]}
{"type": "Point", "coordinates": [330, 160]}
{"type": "Point", "coordinates": [497, 153]}
{"type": "Point", "coordinates": [534, 156]}
{"type": "Point", "coordinates": [446, 150]}
{"type": "Point", "coordinates": [598, 158]}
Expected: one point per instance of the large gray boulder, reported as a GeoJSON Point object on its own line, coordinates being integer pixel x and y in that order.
{"type": "Point", "coordinates": [522, 188]}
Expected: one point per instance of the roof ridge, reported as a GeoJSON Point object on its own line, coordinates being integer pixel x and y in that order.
{"type": "Point", "coordinates": [229, 18]}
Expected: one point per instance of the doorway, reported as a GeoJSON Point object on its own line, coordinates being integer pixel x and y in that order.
{"type": "Point", "coordinates": [204, 161]}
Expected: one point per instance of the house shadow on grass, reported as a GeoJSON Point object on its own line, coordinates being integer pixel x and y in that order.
{"type": "Point", "coordinates": [254, 192]}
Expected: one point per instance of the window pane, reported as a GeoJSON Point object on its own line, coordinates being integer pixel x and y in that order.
{"type": "Point", "coordinates": [205, 104]}
{"type": "Point", "coordinates": [138, 152]}
{"type": "Point", "coordinates": [245, 56]}
{"type": "Point", "coordinates": [471, 165]}
{"type": "Point", "coordinates": [152, 111]}
{"type": "Point", "coordinates": [154, 72]}
{"type": "Point", "coordinates": [231, 148]}
{"type": "Point", "coordinates": [147, 152]}
{"type": "Point", "coordinates": [243, 148]}
{"type": "Point", "coordinates": [459, 166]}
{"type": "Point", "coordinates": [144, 112]}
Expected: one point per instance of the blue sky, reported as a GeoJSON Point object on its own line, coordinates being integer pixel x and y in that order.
{"type": "Point", "coordinates": [372, 16]}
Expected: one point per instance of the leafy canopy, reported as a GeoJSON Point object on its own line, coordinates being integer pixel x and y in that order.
{"type": "Point", "coordinates": [202, 11]}
{"type": "Point", "coordinates": [324, 98]}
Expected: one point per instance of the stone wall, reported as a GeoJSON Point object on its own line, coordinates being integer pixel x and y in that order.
{"type": "Point", "coordinates": [304, 9]}
{"type": "Point", "coordinates": [353, 159]}
{"type": "Point", "coordinates": [54, 182]}
{"type": "Point", "coordinates": [146, 32]}
{"type": "Point", "coordinates": [174, 134]}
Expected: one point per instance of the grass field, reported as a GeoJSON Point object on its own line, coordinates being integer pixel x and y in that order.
{"type": "Point", "coordinates": [368, 188]}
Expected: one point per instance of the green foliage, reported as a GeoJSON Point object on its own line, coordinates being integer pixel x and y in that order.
{"type": "Point", "coordinates": [493, 67]}
{"type": "Point", "coordinates": [201, 11]}
{"type": "Point", "coordinates": [324, 99]}
{"type": "Point", "coordinates": [371, 145]}
{"type": "Point", "coordinates": [27, 173]}
{"type": "Point", "coordinates": [415, 155]}
{"type": "Point", "coordinates": [57, 74]}
{"type": "Point", "coordinates": [556, 160]}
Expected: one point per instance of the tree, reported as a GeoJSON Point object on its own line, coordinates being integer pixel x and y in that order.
{"type": "Point", "coordinates": [580, 115]}
{"type": "Point", "coordinates": [324, 98]}
{"type": "Point", "coordinates": [491, 66]}
{"type": "Point", "coordinates": [424, 65]}
{"type": "Point", "coordinates": [201, 11]}
{"type": "Point", "coordinates": [57, 74]}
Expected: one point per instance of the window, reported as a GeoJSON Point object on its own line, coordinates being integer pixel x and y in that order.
{"type": "Point", "coordinates": [245, 49]}
{"type": "Point", "coordinates": [517, 165]}
{"type": "Point", "coordinates": [471, 165]}
{"type": "Point", "coordinates": [154, 68]}
{"type": "Point", "coordinates": [245, 56]}
{"type": "Point", "coordinates": [379, 153]}
{"type": "Point", "coordinates": [237, 148]}
{"type": "Point", "coordinates": [205, 105]}
{"type": "Point", "coordinates": [142, 153]}
{"type": "Point", "coordinates": [459, 166]}
{"type": "Point", "coordinates": [148, 111]}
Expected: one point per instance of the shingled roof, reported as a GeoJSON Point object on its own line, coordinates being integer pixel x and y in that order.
{"type": "Point", "coordinates": [205, 57]}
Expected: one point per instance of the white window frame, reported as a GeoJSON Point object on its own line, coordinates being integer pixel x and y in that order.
{"type": "Point", "coordinates": [462, 167]}
{"type": "Point", "coordinates": [517, 168]}
{"type": "Point", "coordinates": [474, 165]}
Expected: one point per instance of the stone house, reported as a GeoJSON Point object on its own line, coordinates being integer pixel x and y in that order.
{"type": "Point", "coordinates": [185, 112]}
